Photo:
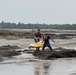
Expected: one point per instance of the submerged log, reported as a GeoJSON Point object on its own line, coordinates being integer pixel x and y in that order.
{"type": "Point", "coordinates": [62, 53]}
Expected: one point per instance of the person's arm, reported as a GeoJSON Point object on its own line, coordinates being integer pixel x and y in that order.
{"type": "Point", "coordinates": [52, 39]}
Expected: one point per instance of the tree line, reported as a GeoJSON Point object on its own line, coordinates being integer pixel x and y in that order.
{"type": "Point", "coordinates": [8, 25]}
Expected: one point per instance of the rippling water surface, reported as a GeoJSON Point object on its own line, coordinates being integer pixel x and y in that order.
{"type": "Point", "coordinates": [27, 64]}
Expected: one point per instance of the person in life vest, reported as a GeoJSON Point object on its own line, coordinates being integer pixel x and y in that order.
{"type": "Point", "coordinates": [37, 37]}
{"type": "Point", "coordinates": [46, 42]}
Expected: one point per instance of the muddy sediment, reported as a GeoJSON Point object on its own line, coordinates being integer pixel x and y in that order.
{"type": "Point", "coordinates": [16, 34]}
{"type": "Point", "coordinates": [9, 47]}
{"type": "Point", "coordinates": [56, 53]}
{"type": "Point", "coordinates": [8, 51]}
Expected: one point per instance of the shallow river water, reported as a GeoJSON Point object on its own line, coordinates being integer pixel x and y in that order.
{"type": "Point", "coordinates": [27, 64]}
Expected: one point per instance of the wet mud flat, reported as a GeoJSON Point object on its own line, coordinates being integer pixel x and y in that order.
{"type": "Point", "coordinates": [20, 33]}
{"type": "Point", "coordinates": [8, 51]}
{"type": "Point", "coordinates": [56, 53]}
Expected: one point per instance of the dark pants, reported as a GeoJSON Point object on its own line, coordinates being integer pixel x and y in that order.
{"type": "Point", "coordinates": [46, 44]}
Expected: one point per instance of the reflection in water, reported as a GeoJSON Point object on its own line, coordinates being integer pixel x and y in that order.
{"type": "Point", "coordinates": [42, 68]}
{"type": "Point", "coordinates": [46, 68]}
{"type": "Point", "coordinates": [73, 74]}
{"type": "Point", "coordinates": [37, 68]}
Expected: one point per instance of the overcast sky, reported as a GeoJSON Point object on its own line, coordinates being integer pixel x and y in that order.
{"type": "Point", "coordinates": [38, 11]}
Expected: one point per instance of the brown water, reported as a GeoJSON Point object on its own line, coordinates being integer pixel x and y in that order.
{"type": "Point", "coordinates": [27, 64]}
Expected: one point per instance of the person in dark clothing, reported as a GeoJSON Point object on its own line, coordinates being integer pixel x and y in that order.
{"type": "Point", "coordinates": [37, 37]}
{"type": "Point", "coordinates": [46, 42]}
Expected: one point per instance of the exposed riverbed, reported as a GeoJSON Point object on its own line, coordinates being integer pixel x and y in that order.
{"type": "Point", "coordinates": [27, 64]}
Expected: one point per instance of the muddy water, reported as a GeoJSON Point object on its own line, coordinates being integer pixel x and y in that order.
{"type": "Point", "coordinates": [27, 64]}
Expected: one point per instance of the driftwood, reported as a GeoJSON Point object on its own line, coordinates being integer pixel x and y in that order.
{"type": "Point", "coordinates": [56, 53]}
